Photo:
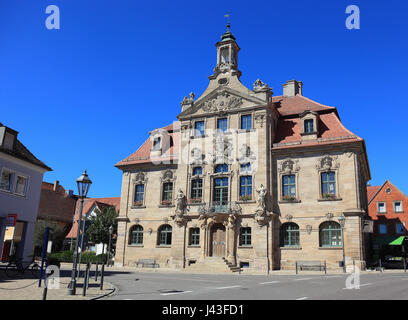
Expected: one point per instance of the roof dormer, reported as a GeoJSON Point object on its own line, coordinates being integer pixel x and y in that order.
{"type": "Point", "coordinates": [161, 141]}
{"type": "Point", "coordinates": [8, 138]}
{"type": "Point", "coordinates": [309, 121]}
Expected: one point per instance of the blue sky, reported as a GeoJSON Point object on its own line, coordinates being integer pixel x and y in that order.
{"type": "Point", "coordinates": [85, 96]}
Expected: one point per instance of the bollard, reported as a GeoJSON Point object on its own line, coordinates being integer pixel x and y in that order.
{"type": "Point", "coordinates": [96, 272]}
{"type": "Point", "coordinates": [325, 267]}
{"type": "Point", "coordinates": [102, 274]}
{"type": "Point", "coordinates": [85, 285]}
{"type": "Point", "coordinates": [44, 297]}
{"type": "Point", "coordinates": [296, 268]}
{"type": "Point", "coordinates": [88, 269]}
{"type": "Point", "coordinates": [405, 265]}
{"type": "Point", "coordinates": [380, 266]}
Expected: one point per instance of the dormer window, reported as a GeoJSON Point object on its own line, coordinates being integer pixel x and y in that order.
{"type": "Point", "coordinates": [309, 123]}
{"type": "Point", "coordinates": [309, 126]}
{"type": "Point", "coordinates": [156, 144]}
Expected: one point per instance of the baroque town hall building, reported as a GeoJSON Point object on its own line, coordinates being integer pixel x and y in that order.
{"type": "Point", "coordinates": [246, 179]}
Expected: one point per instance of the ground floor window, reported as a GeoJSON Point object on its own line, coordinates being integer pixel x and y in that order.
{"type": "Point", "coordinates": [289, 235]}
{"type": "Point", "coordinates": [194, 237]}
{"type": "Point", "coordinates": [136, 235]}
{"type": "Point", "coordinates": [164, 235]}
{"type": "Point", "coordinates": [245, 237]}
{"type": "Point", "coordinates": [330, 234]}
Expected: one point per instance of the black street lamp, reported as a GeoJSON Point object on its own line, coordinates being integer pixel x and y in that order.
{"type": "Point", "coordinates": [110, 236]}
{"type": "Point", "coordinates": [83, 183]}
{"type": "Point", "coordinates": [342, 221]}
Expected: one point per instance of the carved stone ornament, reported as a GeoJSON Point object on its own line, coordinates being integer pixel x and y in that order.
{"type": "Point", "coordinates": [140, 177]}
{"type": "Point", "coordinates": [259, 86]}
{"type": "Point", "coordinates": [327, 162]}
{"type": "Point", "coordinates": [198, 156]}
{"type": "Point", "coordinates": [231, 221]}
{"type": "Point", "coordinates": [260, 118]}
{"type": "Point", "coordinates": [261, 197]}
{"type": "Point", "coordinates": [246, 154]}
{"type": "Point", "coordinates": [329, 216]}
{"type": "Point", "coordinates": [261, 217]}
{"type": "Point", "coordinates": [168, 176]}
{"type": "Point", "coordinates": [223, 149]}
{"type": "Point", "coordinates": [309, 229]}
{"type": "Point", "coordinates": [188, 100]}
{"type": "Point", "coordinates": [288, 217]}
{"type": "Point", "coordinates": [136, 220]}
{"type": "Point", "coordinates": [181, 208]}
{"type": "Point", "coordinates": [224, 101]}
{"type": "Point", "coordinates": [289, 166]}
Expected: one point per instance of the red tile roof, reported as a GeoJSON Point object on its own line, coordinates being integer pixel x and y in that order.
{"type": "Point", "coordinates": [88, 205]}
{"type": "Point", "coordinates": [371, 192]}
{"type": "Point", "coordinates": [142, 155]}
{"type": "Point", "coordinates": [297, 104]}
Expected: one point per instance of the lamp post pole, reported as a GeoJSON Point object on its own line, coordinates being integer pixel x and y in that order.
{"type": "Point", "coordinates": [109, 246]}
{"type": "Point", "coordinates": [83, 187]}
{"type": "Point", "coordinates": [341, 220]}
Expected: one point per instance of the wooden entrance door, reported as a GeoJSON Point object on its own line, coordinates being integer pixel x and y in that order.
{"type": "Point", "coordinates": [217, 240]}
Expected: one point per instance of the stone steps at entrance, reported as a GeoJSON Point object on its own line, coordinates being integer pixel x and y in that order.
{"type": "Point", "coordinates": [214, 264]}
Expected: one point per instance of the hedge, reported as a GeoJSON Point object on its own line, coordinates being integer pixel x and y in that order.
{"type": "Point", "coordinates": [87, 256]}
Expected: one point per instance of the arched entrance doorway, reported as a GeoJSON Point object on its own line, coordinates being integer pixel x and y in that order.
{"type": "Point", "coordinates": [217, 240]}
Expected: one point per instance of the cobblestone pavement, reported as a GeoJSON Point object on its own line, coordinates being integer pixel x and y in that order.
{"type": "Point", "coordinates": [25, 287]}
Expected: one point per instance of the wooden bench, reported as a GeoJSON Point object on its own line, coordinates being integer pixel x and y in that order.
{"type": "Point", "coordinates": [311, 265]}
{"type": "Point", "coordinates": [147, 263]}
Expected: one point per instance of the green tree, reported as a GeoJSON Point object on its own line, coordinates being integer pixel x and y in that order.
{"type": "Point", "coordinates": [98, 229]}
{"type": "Point", "coordinates": [57, 235]}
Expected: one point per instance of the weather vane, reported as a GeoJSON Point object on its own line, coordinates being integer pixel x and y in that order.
{"type": "Point", "coordinates": [228, 17]}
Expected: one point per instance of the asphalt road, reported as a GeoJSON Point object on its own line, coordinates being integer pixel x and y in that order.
{"type": "Point", "coordinates": [168, 286]}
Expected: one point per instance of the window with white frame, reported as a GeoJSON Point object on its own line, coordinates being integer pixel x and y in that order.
{"type": "Point", "coordinates": [6, 180]}
{"type": "Point", "coordinates": [398, 206]}
{"type": "Point", "coordinates": [381, 208]}
{"type": "Point", "coordinates": [21, 185]}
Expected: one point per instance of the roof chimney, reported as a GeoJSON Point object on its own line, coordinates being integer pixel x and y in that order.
{"type": "Point", "coordinates": [56, 183]}
{"type": "Point", "coordinates": [292, 87]}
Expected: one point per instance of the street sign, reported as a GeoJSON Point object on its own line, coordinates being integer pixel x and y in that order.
{"type": "Point", "coordinates": [11, 220]}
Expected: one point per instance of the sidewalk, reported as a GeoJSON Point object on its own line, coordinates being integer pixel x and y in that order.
{"type": "Point", "coordinates": [26, 288]}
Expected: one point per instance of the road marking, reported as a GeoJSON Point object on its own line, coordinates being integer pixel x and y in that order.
{"type": "Point", "coordinates": [269, 282]}
{"type": "Point", "coordinates": [358, 286]}
{"type": "Point", "coordinates": [127, 299]}
{"type": "Point", "coordinates": [303, 279]}
{"type": "Point", "coordinates": [304, 298]}
{"type": "Point", "coordinates": [170, 293]}
{"type": "Point", "coordinates": [227, 287]}
{"type": "Point", "coordinates": [333, 277]}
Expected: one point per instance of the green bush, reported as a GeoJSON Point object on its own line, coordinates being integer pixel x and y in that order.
{"type": "Point", "coordinates": [87, 256]}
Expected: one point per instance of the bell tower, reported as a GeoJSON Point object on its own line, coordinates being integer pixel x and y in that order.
{"type": "Point", "coordinates": [227, 54]}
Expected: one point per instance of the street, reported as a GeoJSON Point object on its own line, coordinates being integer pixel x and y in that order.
{"type": "Point", "coordinates": [133, 285]}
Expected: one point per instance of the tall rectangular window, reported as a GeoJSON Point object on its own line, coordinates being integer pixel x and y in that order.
{"type": "Point", "coordinates": [156, 144]}
{"type": "Point", "coordinates": [139, 194]}
{"type": "Point", "coordinates": [245, 188]}
{"type": "Point", "coordinates": [289, 186]}
{"type": "Point", "coordinates": [246, 122]}
{"type": "Point", "coordinates": [21, 185]}
{"type": "Point", "coordinates": [6, 180]}
{"type": "Point", "coordinates": [399, 228]}
{"type": "Point", "coordinates": [199, 128]}
{"type": "Point", "coordinates": [194, 237]}
{"type": "Point", "coordinates": [381, 207]}
{"type": "Point", "coordinates": [245, 237]}
{"type": "Point", "coordinates": [222, 124]}
{"type": "Point", "coordinates": [309, 128]}
{"type": "Point", "coordinates": [328, 183]}
{"type": "Point", "coordinates": [383, 228]}
{"type": "Point", "coordinates": [398, 206]}
{"type": "Point", "coordinates": [196, 190]}
{"type": "Point", "coordinates": [167, 195]}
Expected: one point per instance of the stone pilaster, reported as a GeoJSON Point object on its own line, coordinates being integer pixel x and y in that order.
{"type": "Point", "coordinates": [353, 240]}
{"type": "Point", "coordinates": [178, 246]}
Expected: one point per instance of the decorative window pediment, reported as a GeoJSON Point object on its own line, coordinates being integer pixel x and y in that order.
{"type": "Point", "coordinates": [168, 176]}
{"type": "Point", "coordinates": [327, 163]}
{"type": "Point", "coordinates": [140, 177]}
{"type": "Point", "coordinates": [289, 166]}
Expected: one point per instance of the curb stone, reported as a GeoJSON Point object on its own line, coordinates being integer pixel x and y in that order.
{"type": "Point", "coordinates": [113, 292]}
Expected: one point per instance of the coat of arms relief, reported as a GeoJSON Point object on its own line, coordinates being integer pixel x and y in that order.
{"type": "Point", "coordinates": [224, 101]}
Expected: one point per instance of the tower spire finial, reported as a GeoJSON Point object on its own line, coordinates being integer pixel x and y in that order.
{"type": "Point", "coordinates": [228, 21]}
